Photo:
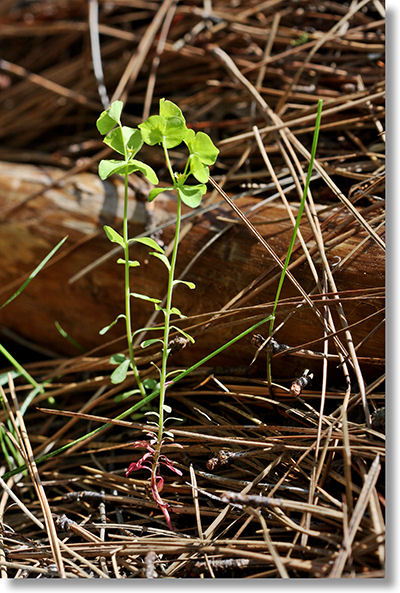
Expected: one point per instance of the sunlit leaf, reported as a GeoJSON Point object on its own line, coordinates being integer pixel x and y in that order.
{"type": "Point", "coordinates": [153, 129]}
{"type": "Point", "coordinates": [105, 329]}
{"type": "Point", "coordinates": [176, 311]}
{"type": "Point", "coordinates": [122, 138]}
{"type": "Point", "coordinates": [146, 170]}
{"type": "Point", "coordinates": [149, 342]}
{"type": "Point", "coordinates": [113, 236]}
{"type": "Point", "coordinates": [132, 263]}
{"type": "Point", "coordinates": [110, 117]}
{"type": "Point", "coordinates": [205, 148]}
{"type": "Point", "coordinates": [169, 109]}
{"type": "Point", "coordinates": [198, 170]}
{"type": "Point", "coordinates": [190, 285]}
{"type": "Point", "coordinates": [110, 167]}
{"type": "Point", "coordinates": [156, 191]}
{"type": "Point", "coordinates": [149, 242]}
{"type": "Point", "coordinates": [187, 336]}
{"type": "Point", "coordinates": [163, 258]}
{"type": "Point", "coordinates": [144, 297]}
{"type": "Point", "coordinates": [191, 195]}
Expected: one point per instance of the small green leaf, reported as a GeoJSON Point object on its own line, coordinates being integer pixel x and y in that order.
{"type": "Point", "coordinates": [169, 109]}
{"type": "Point", "coordinates": [111, 166]}
{"type": "Point", "coordinates": [113, 236]}
{"type": "Point", "coordinates": [119, 375]}
{"type": "Point", "coordinates": [167, 408]}
{"type": "Point", "coordinates": [198, 170]}
{"type": "Point", "coordinates": [149, 242]}
{"type": "Point", "coordinates": [105, 329]}
{"type": "Point", "coordinates": [163, 258]}
{"type": "Point", "coordinates": [144, 297]}
{"type": "Point", "coordinates": [132, 263]}
{"type": "Point", "coordinates": [190, 285]}
{"type": "Point", "coordinates": [156, 191]}
{"type": "Point", "coordinates": [175, 131]}
{"type": "Point", "coordinates": [153, 129]}
{"type": "Point", "coordinates": [117, 358]}
{"type": "Point", "coordinates": [191, 195]}
{"type": "Point", "coordinates": [205, 148]}
{"type": "Point", "coordinates": [149, 342]}
{"type": "Point", "coordinates": [144, 169]}
{"type": "Point", "coordinates": [115, 110]}
{"type": "Point", "coordinates": [187, 336]}
{"type": "Point", "coordinates": [176, 311]}
{"type": "Point", "coordinates": [122, 138]}
{"type": "Point", "coordinates": [110, 117]}
{"type": "Point", "coordinates": [142, 329]}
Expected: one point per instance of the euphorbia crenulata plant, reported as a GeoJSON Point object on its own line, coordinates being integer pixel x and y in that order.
{"type": "Point", "coordinates": [167, 130]}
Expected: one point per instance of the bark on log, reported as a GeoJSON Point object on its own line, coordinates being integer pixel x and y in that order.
{"type": "Point", "coordinates": [39, 207]}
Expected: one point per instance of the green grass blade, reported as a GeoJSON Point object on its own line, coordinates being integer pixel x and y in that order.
{"type": "Point", "coordinates": [34, 273]}
{"type": "Point", "coordinates": [300, 212]}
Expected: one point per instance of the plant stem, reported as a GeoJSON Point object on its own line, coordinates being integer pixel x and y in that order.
{"type": "Point", "coordinates": [128, 318]}
{"type": "Point", "coordinates": [294, 234]}
{"type": "Point", "coordinates": [127, 290]}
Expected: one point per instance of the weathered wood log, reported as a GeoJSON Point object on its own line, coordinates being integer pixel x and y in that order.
{"type": "Point", "coordinates": [39, 206]}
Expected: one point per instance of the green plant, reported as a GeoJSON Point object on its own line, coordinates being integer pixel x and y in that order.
{"type": "Point", "coordinates": [168, 129]}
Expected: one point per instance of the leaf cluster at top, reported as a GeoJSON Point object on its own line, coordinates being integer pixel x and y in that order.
{"type": "Point", "coordinates": [167, 129]}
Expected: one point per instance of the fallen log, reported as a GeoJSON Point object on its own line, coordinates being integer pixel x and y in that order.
{"type": "Point", "coordinates": [81, 288]}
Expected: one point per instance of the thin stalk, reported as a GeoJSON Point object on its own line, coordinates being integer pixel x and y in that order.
{"type": "Point", "coordinates": [296, 228]}
{"type": "Point", "coordinates": [165, 352]}
{"type": "Point", "coordinates": [127, 290]}
{"type": "Point", "coordinates": [167, 317]}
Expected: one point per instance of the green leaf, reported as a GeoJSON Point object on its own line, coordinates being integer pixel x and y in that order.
{"type": "Point", "coordinates": [142, 329]}
{"type": "Point", "coordinates": [163, 258]}
{"type": "Point", "coordinates": [187, 336]}
{"type": "Point", "coordinates": [105, 329]}
{"type": "Point", "coordinates": [34, 273]}
{"type": "Point", "coordinates": [117, 358]}
{"type": "Point", "coordinates": [169, 109]}
{"type": "Point", "coordinates": [115, 167]}
{"type": "Point", "coordinates": [149, 242]}
{"type": "Point", "coordinates": [149, 342]}
{"type": "Point", "coordinates": [156, 191]}
{"type": "Point", "coordinates": [122, 138]}
{"type": "Point", "coordinates": [175, 131]}
{"type": "Point", "coordinates": [191, 195]}
{"type": "Point", "coordinates": [110, 117]}
{"type": "Point", "coordinates": [113, 236]}
{"type": "Point", "coordinates": [144, 297]}
{"type": "Point", "coordinates": [115, 110]}
{"type": "Point", "coordinates": [119, 375]}
{"type": "Point", "coordinates": [132, 263]}
{"type": "Point", "coordinates": [153, 129]}
{"type": "Point", "coordinates": [198, 170]}
{"type": "Point", "coordinates": [146, 170]}
{"type": "Point", "coordinates": [205, 148]}
{"type": "Point", "coordinates": [191, 285]}
{"type": "Point", "coordinates": [176, 311]}
{"type": "Point", "coordinates": [110, 166]}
